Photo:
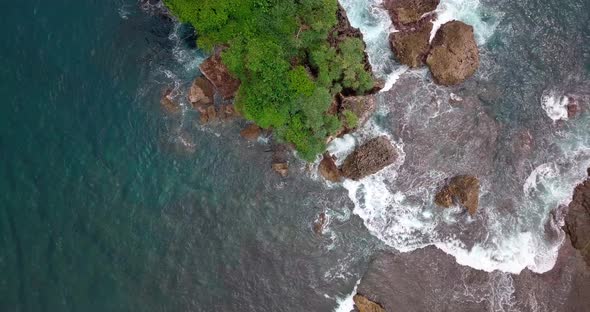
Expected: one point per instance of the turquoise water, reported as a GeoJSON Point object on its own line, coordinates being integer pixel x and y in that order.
{"type": "Point", "coordinates": [102, 209]}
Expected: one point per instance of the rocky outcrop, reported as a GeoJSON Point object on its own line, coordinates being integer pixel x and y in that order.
{"type": "Point", "coordinates": [577, 220]}
{"type": "Point", "coordinates": [411, 47]}
{"type": "Point", "coordinates": [460, 190]}
{"type": "Point", "coordinates": [361, 106]}
{"type": "Point", "coordinates": [212, 113]}
{"type": "Point", "coordinates": [369, 158]}
{"type": "Point", "coordinates": [454, 55]}
{"type": "Point", "coordinates": [167, 102]}
{"type": "Point", "coordinates": [217, 73]}
{"type": "Point", "coordinates": [201, 92]}
{"type": "Point", "coordinates": [363, 304]}
{"type": "Point", "coordinates": [251, 132]}
{"type": "Point", "coordinates": [320, 223]}
{"type": "Point", "coordinates": [405, 12]}
{"type": "Point", "coordinates": [280, 156]}
{"type": "Point", "coordinates": [281, 168]}
{"type": "Point", "coordinates": [328, 169]}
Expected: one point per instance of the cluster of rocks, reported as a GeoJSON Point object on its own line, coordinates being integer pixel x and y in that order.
{"type": "Point", "coordinates": [452, 56]}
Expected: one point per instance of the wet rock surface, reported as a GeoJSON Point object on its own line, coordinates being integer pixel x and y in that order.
{"type": "Point", "coordinates": [430, 280]}
{"type": "Point", "coordinates": [201, 92]}
{"type": "Point", "coordinates": [363, 304]}
{"type": "Point", "coordinates": [251, 132]}
{"type": "Point", "coordinates": [461, 190]}
{"type": "Point", "coordinates": [369, 158]}
{"type": "Point", "coordinates": [218, 74]}
{"type": "Point", "coordinates": [167, 102]}
{"type": "Point", "coordinates": [404, 12]}
{"type": "Point", "coordinates": [454, 55]}
{"type": "Point", "coordinates": [328, 169]}
{"type": "Point", "coordinates": [577, 220]}
{"type": "Point", "coordinates": [411, 47]}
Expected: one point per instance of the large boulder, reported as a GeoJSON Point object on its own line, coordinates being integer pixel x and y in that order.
{"type": "Point", "coordinates": [454, 56]}
{"type": "Point", "coordinates": [217, 73]}
{"type": "Point", "coordinates": [460, 190]}
{"type": "Point", "coordinates": [329, 170]}
{"type": "Point", "coordinates": [363, 304]}
{"type": "Point", "coordinates": [577, 220]}
{"type": "Point", "coordinates": [405, 12]}
{"type": "Point", "coordinates": [251, 132]}
{"type": "Point", "coordinates": [362, 107]}
{"type": "Point", "coordinates": [369, 158]}
{"type": "Point", "coordinates": [201, 92]}
{"type": "Point", "coordinates": [411, 47]}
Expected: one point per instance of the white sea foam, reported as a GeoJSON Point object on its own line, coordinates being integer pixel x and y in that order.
{"type": "Point", "coordinates": [555, 105]}
{"type": "Point", "coordinates": [346, 304]}
{"type": "Point", "coordinates": [406, 219]}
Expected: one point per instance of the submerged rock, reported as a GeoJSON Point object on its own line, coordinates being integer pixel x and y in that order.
{"type": "Point", "coordinates": [411, 47]}
{"type": "Point", "coordinates": [362, 106]}
{"type": "Point", "coordinates": [251, 132]}
{"type": "Point", "coordinates": [404, 12]}
{"type": "Point", "coordinates": [217, 73]}
{"type": "Point", "coordinates": [363, 304]}
{"type": "Point", "coordinates": [369, 158]}
{"type": "Point", "coordinates": [328, 169]}
{"type": "Point", "coordinates": [168, 103]}
{"type": "Point", "coordinates": [201, 92]}
{"type": "Point", "coordinates": [577, 220]}
{"type": "Point", "coordinates": [281, 168]}
{"type": "Point", "coordinates": [454, 56]}
{"type": "Point", "coordinates": [462, 190]}
{"type": "Point", "coordinates": [320, 223]}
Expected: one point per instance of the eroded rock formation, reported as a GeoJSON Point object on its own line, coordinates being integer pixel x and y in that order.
{"type": "Point", "coordinates": [405, 12]}
{"type": "Point", "coordinates": [328, 169]}
{"type": "Point", "coordinates": [369, 158]}
{"type": "Point", "coordinates": [363, 304]}
{"type": "Point", "coordinates": [411, 47]}
{"type": "Point", "coordinates": [577, 220]}
{"type": "Point", "coordinates": [217, 73]}
{"type": "Point", "coordinates": [460, 190]}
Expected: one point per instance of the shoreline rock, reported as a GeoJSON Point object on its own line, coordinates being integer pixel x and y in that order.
{"type": "Point", "coordinates": [217, 73]}
{"type": "Point", "coordinates": [251, 132]}
{"type": "Point", "coordinates": [167, 102]}
{"type": "Point", "coordinates": [328, 169]}
{"type": "Point", "coordinates": [577, 219]}
{"type": "Point", "coordinates": [454, 56]}
{"type": "Point", "coordinates": [407, 12]}
{"type": "Point", "coordinates": [369, 158]}
{"type": "Point", "coordinates": [364, 304]}
{"type": "Point", "coordinates": [462, 190]}
{"type": "Point", "coordinates": [201, 92]}
{"type": "Point", "coordinates": [411, 47]}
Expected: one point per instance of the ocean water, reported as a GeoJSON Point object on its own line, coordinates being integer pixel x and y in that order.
{"type": "Point", "coordinates": [109, 203]}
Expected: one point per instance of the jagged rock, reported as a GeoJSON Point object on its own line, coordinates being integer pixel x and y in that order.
{"type": "Point", "coordinates": [369, 158]}
{"type": "Point", "coordinates": [462, 190]}
{"type": "Point", "coordinates": [362, 106]}
{"type": "Point", "coordinates": [207, 114]}
{"type": "Point", "coordinates": [404, 12]}
{"type": "Point", "coordinates": [251, 132]}
{"type": "Point", "coordinates": [227, 112]}
{"type": "Point", "coordinates": [281, 168]}
{"type": "Point", "coordinates": [577, 220]}
{"type": "Point", "coordinates": [320, 223]}
{"type": "Point", "coordinates": [454, 55]}
{"type": "Point", "coordinates": [217, 73]}
{"type": "Point", "coordinates": [363, 304]}
{"type": "Point", "coordinates": [167, 102]}
{"type": "Point", "coordinates": [411, 47]}
{"type": "Point", "coordinates": [329, 170]}
{"type": "Point", "coordinates": [201, 92]}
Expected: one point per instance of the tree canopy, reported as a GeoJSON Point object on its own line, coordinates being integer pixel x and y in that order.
{"type": "Point", "coordinates": [279, 50]}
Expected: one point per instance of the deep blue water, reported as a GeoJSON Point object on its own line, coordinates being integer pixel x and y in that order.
{"type": "Point", "coordinates": [102, 209]}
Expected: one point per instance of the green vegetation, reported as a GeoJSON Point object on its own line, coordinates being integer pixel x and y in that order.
{"type": "Point", "coordinates": [280, 52]}
{"type": "Point", "coordinates": [351, 119]}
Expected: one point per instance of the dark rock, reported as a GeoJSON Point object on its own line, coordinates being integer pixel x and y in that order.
{"type": "Point", "coordinates": [329, 170]}
{"type": "Point", "coordinates": [573, 108]}
{"type": "Point", "coordinates": [454, 56]}
{"type": "Point", "coordinates": [363, 304]}
{"type": "Point", "coordinates": [281, 168]}
{"type": "Point", "coordinates": [462, 190]}
{"type": "Point", "coordinates": [217, 73]}
{"type": "Point", "coordinates": [577, 220]}
{"type": "Point", "coordinates": [201, 92]}
{"type": "Point", "coordinates": [251, 132]}
{"type": "Point", "coordinates": [168, 103]}
{"type": "Point", "coordinates": [404, 12]}
{"type": "Point", "coordinates": [411, 47]}
{"type": "Point", "coordinates": [369, 158]}
{"type": "Point", "coordinates": [320, 223]}
{"type": "Point", "coordinates": [362, 106]}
